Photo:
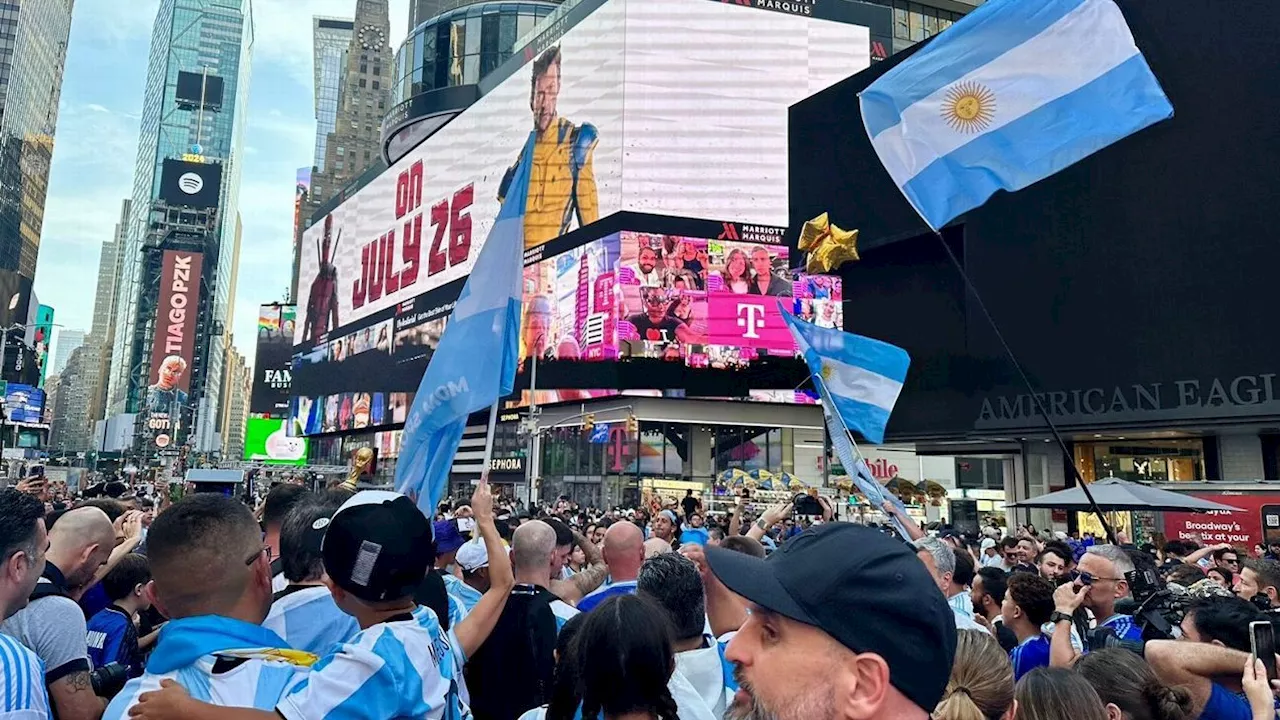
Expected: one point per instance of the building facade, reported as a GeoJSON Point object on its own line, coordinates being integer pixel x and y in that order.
{"type": "Point", "coordinates": [33, 52]}
{"type": "Point", "coordinates": [236, 387]}
{"type": "Point", "coordinates": [198, 39]}
{"type": "Point", "coordinates": [68, 341]}
{"type": "Point", "coordinates": [915, 22]}
{"type": "Point", "coordinates": [353, 145]}
{"type": "Point", "coordinates": [331, 38]}
{"type": "Point", "coordinates": [102, 333]}
{"type": "Point", "coordinates": [70, 429]}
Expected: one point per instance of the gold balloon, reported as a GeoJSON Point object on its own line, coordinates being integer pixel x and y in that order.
{"type": "Point", "coordinates": [829, 246]}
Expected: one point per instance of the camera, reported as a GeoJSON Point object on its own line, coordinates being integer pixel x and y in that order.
{"type": "Point", "coordinates": [806, 504]}
{"type": "Point", "coordinates": [109, 679]}
{"type": "Point", "coordinates": [1155, 609]}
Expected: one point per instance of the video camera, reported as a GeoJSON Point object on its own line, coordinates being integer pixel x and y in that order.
{"type": "Point", "coordinates": [1156, 611]}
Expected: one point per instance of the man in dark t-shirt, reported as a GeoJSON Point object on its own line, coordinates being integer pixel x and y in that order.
{"type": "Point", "coordinates": [689, 504]}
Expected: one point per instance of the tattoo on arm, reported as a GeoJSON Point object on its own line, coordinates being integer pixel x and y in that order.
{"type": "Point", "coordinates": [78, 681]}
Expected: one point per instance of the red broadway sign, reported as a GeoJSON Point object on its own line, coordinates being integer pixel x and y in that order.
{"type": "Point", "coordinates": [1258, 518]}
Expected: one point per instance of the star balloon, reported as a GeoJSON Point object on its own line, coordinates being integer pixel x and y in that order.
{"type": "Point", "coordinates": [829, 246]}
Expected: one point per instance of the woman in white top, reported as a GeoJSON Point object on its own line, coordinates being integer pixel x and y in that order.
{"type": "Point", "coordinates": [736, 278]}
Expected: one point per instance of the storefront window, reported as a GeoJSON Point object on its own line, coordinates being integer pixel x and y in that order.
{"type": "Point", "coordinates": [1171, 460]}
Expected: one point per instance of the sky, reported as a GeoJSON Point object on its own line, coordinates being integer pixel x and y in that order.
{"type": "Point", "coordinates": [96, 145]}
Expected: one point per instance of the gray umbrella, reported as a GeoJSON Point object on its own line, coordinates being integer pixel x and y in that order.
{"type": "Point", "coordinates": [1116, 494]}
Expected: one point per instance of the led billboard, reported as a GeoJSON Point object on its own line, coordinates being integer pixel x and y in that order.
{"type": "Point", "coordinates": [191, 184]}
{"type": "Point", "coordinates": [265, 440]}
{"type": "Point", "coordinates": [688, 120]}
{"type": "Point", "coordinates": [272, 372]}
{"type": "Point", "coordinates": [24, 405]}
{"type": "Point", "coordinates": [173, 347]}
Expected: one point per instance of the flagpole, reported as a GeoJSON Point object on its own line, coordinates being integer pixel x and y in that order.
{"type": "Point", "coordinates": [1026, 381]}
{"type": "Point", "coordinates": [488, 438]}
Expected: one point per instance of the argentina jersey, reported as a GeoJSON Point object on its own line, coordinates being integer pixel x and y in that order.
{"type": "Point", "coordinates": [220, 661]}
{"type": "Point", "coordinates": [1124, 626]}
{"type": "Point", "coordinates": [401, 668]}
{"type": "Point", "coordinates": [308, 619]}
{"type": "Point", "coordinates": [22, 692]}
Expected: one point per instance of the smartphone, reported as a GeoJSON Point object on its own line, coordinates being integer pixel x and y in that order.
{"type": "Point", "coordinates": [1262, 642]}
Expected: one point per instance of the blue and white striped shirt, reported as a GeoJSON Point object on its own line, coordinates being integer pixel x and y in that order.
{"type": "Point", "coordinates": [404, 668]}
{"type": "Point", "coordinates": [464, 594]}
{"type": "Point", "coordinates": [22, 692]}
{"type": "Point", "coordinates": [207, 656]}
{"type": "Point", "coordinates": [308, 619]}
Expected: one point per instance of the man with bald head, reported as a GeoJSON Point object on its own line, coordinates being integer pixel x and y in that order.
{"type": "Point", "coordinates": [211, 575]}
{"type": "Point", "coordinates": [512, 671]}
{"type": "Point", "coordinates": [53, 625]}
{"type": "Point", "coordinates": [624, 554]}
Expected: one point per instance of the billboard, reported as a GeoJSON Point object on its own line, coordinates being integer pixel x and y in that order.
{"type": "Point", "coordinates": [196, 89]}
{"type": "Point", "coordinates": [43, 338]}
{"type": "Point", "coordinates": [265, 440]}
{"type": "Point", "coordinates": [24, 405]}
{"type": "Point", "coordinates": [696, 127]}
{"type": "Point", "coordinates": [272, 371]}
{"type": "Point", "coordinates": [197, 185]}
{"type": "Point", "coordinates": [1256, 521]}
{"type": "Point", "coordinates": [173, 347]}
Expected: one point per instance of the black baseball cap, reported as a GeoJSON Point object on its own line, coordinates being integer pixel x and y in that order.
{"type": "Point", "coordinates": [378, 546]}
{"type": "Point", "coordinates": [866, 590]}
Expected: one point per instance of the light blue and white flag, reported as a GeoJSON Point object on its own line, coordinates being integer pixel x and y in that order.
{"type": "Point", "coordinates": [860, 377]}
{"type": "Point", "coordinates": [1014, 92]}
{"type": "Point", "coordinates": [475, 362]}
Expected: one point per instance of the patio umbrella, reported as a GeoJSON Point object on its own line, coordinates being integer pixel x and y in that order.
{"type": "Point", "coordinates": [1116, 494]}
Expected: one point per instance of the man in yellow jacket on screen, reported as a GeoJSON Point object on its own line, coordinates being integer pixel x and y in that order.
{"type": "Point", "coordinates": [562, 185]}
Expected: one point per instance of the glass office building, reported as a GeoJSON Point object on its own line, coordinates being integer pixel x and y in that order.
{"type": "Point", "coordinates": [192, 36]}
{"type": "Point", "coordinates": [462, 46]}
{"type": "Point", "coordinates": [33, 51]}
{"type": "Point", "coordinates": [331, 37]}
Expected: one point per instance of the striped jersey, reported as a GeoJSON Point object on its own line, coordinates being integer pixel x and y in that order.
{"type": "Point", "coordinates": [1124, 627]}
{"type": "Point", "coordinates": [22, 692]}
{"type": "Point", "coordinates": [466, 595]}
{"type": "Point", "coordinates": [401, 668]}
{"type": "Point", "coordinates": [308, 619]}
{"type": "Point", "coordinates": [219, 661]}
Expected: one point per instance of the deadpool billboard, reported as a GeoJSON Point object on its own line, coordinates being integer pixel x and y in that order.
{"type": "Point", "coordinates": [173, 347]}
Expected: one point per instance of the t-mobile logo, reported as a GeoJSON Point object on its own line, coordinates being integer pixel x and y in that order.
{"type": "Point", "coordinates": [750, 317]}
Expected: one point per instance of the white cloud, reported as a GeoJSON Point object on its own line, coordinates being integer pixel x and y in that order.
{"type": "Point", "coordinates": [283, 31]}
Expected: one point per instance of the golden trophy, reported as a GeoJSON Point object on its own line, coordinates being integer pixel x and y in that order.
{"type": "Point", "coordinates": [360, 461]}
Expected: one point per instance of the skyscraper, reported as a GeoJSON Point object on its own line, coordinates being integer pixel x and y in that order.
{"type": "Point", "coordinates": [97, 362]}
{"type": "Point", "coordinates": [33, 51]}
{"type": "Point", "coordinates": [331, 38]}
{"type": "Point", "coordinates": [194, 109]}
{"type": "Point", "coordinates": [68, 342]}
{"type": "Point", "coordinates": [70, 426]}
{"type": "Point", "coordinates": [355, 143]}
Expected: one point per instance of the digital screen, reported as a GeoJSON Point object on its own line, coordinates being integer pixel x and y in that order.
{"type": "Point", "coordinates": [272, 367]}
{"type": "Point", "coordinates": [173, 349]}
{"type": "Point", "coordinates": [190, 184]}
{"type": "Point", "coordinates": [194, 87]}
{"type": "Point", "coordinates": [265, 440]}
{"type": "Point", "coordinates": [24, 404]}
{"type": "Point", "coordinates": [687, 122]}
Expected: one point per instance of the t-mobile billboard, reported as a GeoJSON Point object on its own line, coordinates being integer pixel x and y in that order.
{"type": "Point", "coordinates": [173, 347]}
{"type": "Point", "coordinates": [666, 107]}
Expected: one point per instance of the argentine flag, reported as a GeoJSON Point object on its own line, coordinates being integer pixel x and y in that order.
{"type": "Point", "coordinates": [1011, 94]}
{"type": "Point", "coordinates": [475, 362]}
{"type": "Point", "coordinates": [859, 378]}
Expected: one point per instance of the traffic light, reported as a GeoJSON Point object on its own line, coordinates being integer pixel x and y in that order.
{"type": "Point", "coordinates": [588, 422]}
{"type": "Point", "coordinates": [633, 425]}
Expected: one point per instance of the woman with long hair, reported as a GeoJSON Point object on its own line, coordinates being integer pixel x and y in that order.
{"type": "Point", "coordinates": [1127, 683]}
{"type": "Point", "coordinates": [981, 684]}
{"type": "Point", "coordinates": [624, 659]}
{"type": "Point", "coordinates": [1054, 693]}
{"type": "Point", "coordinates": [736, 277]}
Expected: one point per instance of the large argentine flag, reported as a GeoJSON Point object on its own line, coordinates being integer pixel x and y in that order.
{"type": "Point", "coordinates": [860, 378]}
{"type": "Point", "coordinates": [475, 363]}
{"type": "Point", "coordinates": [1009, 95]}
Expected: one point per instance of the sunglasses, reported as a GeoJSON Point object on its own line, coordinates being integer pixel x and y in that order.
{"type": "Point", "coordinates": [1085, 578]}
{"type": "Point", "coordinates": [264, 549]}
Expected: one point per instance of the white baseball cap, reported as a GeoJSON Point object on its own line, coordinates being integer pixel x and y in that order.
{"type": "Point", "coordinates": [472, 556]}
{"type": "Point", "coordinates": [987, 544]}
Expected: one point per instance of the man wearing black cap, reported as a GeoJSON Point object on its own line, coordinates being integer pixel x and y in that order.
{"type": "Point", "coordinates": [853, 616]}
{"type": "Point", "coordinates": [376, 550]}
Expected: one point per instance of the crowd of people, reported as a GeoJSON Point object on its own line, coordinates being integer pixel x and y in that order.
{"type": "Point", "coordinates": [355, 605]}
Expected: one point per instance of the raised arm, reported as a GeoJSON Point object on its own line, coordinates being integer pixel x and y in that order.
{"type": "Point", "coordinates": [475, 628]}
